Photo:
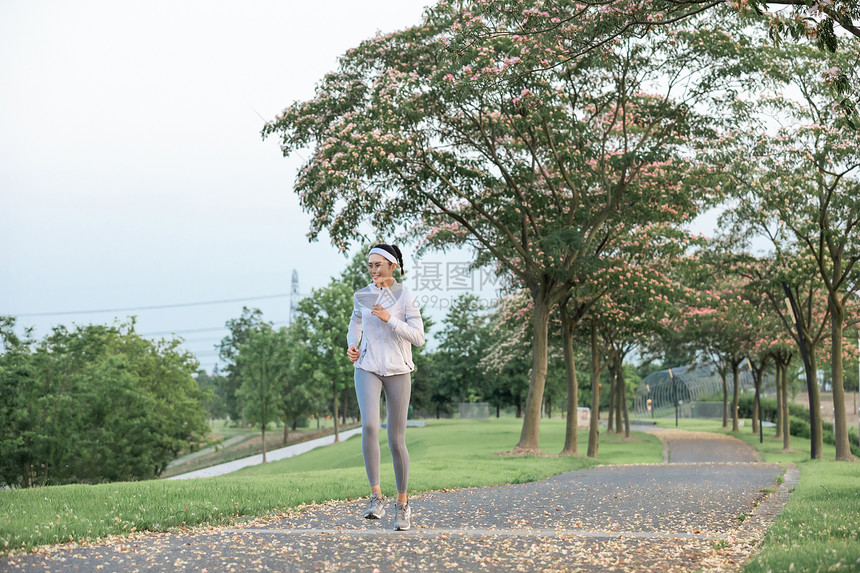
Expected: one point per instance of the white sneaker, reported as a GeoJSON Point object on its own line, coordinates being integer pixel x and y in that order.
{"type": "Point", "coordinates": [402, 518]}
{"type": "Point", "coordinates": [377, 506]}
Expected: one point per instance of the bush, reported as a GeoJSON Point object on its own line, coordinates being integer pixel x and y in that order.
{"type": "Point", "coordinates": [798, 427]}
{"type": "Point", "coordinates": [798, 420]}
{"type": "Point", "coordinates": [768, 405]}
{"type": "Point", "coordinates": [94, 404]}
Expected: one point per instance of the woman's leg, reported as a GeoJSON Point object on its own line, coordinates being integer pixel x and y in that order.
{"type": "Point", "coordinates": [397, 392]}
{"type": "Point", "coordinates": [368, 388]}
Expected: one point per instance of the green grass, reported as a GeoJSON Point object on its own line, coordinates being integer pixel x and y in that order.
{"type": "Point", "coordinates": [819, 527]}
{"type": "Point", "coordinates": [228, 429]}
{"type": "Point", "coordinates": [445, 454]}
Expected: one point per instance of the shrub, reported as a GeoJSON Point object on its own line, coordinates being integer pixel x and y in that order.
{"type": "Point", "coordinates": [798, 420]}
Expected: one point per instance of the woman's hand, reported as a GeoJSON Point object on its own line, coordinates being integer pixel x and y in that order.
{"type": "Point", "coordinates": [379, 311]}
{"type": "Point", "coordinates": [352, 353]}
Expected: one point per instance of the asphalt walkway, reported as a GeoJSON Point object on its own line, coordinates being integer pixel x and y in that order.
{"type": "Point", "coordinates": [705, 510]}
{"type": "Point", "coordinates": [274, 455]}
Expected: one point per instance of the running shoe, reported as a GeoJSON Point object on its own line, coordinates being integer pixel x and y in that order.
{"type": "Point", "coordinates": [402, 519]}
{"type": "Point", "coordinates": [377, 506]}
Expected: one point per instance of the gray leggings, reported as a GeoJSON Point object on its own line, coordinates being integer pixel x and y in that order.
{"type": "Point", "coordinates": [398, 388]}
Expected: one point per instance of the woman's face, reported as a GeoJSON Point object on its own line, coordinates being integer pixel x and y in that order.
{"type": "Point", "coordinates": [381, 270]}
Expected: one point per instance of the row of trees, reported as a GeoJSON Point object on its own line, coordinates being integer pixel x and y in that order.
{"type": "Point", "coordinates": [573, 156]}
{"type": "Point", "coordinates": [100, 403]}
{"type": "Point", "coordinates": [94, 403]}
{"type": "Point", "coordinates": [298, 372]}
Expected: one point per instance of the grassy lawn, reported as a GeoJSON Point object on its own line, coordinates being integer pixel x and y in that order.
{"type": "Point", "coordinates": [445, 454]}
{"type": "Point", "coordinates": [819, 528]}
{"type": "Point", "coordinates": [225, 428]}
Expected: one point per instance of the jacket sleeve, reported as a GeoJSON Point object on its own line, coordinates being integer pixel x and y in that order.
{"type": "Point", "coordinates": [353, 335]}
{"type": "Point", "coordinates": [411, 329]}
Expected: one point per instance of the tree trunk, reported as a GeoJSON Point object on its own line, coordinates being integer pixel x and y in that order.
{"type": "Point", "coordinates": [840, 424]}
{"type": "Point", "coordinates": [756, 402]}
{"type": "Point", "coordinates": [286, 431]}
{"type": "Point", "coordinates": [786, 422]}
{"type": "Point", "coordinates": [593, 430]}
{"type": "Point", "coordinates": [530, 435]}
{"type": "Point", "coordinates": [610, 418]}
{"type": "Point", "coordinates": [736, 396]}
{"type": "Point", "coordinates": [725, 399]}
{"type": "Point", "coordinates": [807, 353]}
{"type": "Point", "coordinates": [570, 429]}
{"type": "Point", "coordinates": [816, 437]}
{"type": "Point", "coordinates": [264, 443]}
{"type": "Point", "coordinates": [624, 405]}
{"type": "Point", "coordinates": [334, 417]}
{"type": "Point", "coordinates": [779, 399]}
{"type": "Point", "coordinates": [619, 396]}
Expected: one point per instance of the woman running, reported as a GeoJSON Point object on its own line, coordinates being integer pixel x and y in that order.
{"type": "Point", "coordinates": [385, 324]}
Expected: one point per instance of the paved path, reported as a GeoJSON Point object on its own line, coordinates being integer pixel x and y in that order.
{"type": "Point", "coordinates": [689, 516]}
{"type": "Point", "coordinates": [274, 455]}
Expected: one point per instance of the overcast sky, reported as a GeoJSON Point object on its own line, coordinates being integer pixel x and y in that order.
{"type": "Point", "coordinates": [132, 171]}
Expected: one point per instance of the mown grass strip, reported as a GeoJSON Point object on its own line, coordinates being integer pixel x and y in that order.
{"type": "Point", "coordinates": [819, 528]}
{"type": "Point", "coordinates": [445, 454]}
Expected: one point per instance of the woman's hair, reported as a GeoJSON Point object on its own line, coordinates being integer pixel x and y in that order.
{"type": "Point", "coordinates": [394, 250]}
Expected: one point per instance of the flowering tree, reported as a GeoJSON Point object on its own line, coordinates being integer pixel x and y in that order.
{"type": "Point", "coordinates": [786, 278]}
{"type": "Point", "coordinates": [628, 302]}
{"type": "Point", "coordinates": [643, 297]}
{"type": "Point", "coordinates": [805, 179]}
{"type": "Point", "coordinates": [717, 319]}
{"type": "Point", "coordinates": [538, 172]}
{"type": "Point", "coordinates": [507, 360]}
{"type": "Point", "coordinates": [581, 27]}
{"type": "Point", "coordinates": [779, 348]}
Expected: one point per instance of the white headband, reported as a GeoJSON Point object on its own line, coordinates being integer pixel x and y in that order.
{"type": "Point", "coordinates": [384, 253]}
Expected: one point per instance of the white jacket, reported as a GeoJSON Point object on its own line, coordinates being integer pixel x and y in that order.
{"type": "Point", "coordinates": [386, 348]}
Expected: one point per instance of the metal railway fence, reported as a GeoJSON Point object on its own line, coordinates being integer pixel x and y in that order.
{"type": "Point", "coordinates": [659, 392]}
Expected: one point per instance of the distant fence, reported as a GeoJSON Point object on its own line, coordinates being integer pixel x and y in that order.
{"type": "Point", "coordinates": [474, 410]}
{"type": "Point", "coordinates": [707, 409]}
{"type": "Point", "coordinates": [658, 393]}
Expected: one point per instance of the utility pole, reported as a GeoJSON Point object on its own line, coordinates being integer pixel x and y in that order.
{"type": "Point", "coordinates": [294, 296]}
{"type": "Point", "coordinates": [675, 394]}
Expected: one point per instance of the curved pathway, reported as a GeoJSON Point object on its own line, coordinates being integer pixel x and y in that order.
{"type": "Point", "coordinates": [696, 513]}
{"type": "Point", "coordinates": [274, 455]}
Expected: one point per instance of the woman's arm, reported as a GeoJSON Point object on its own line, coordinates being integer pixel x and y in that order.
{"type": "Point", "coordinates": [411, 329]}
{"type": "Point", "coordinates": [353, 334]}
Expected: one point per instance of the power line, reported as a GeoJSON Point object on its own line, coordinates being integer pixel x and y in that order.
{"type": "Point", "coordinates": [155, 307]}
{"type": "Point", "coordinates": [215, 339]}
{"type": "Point", "coordinates": [207, 329]}
{"type": "Point", "coordinates": [176, 331]}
